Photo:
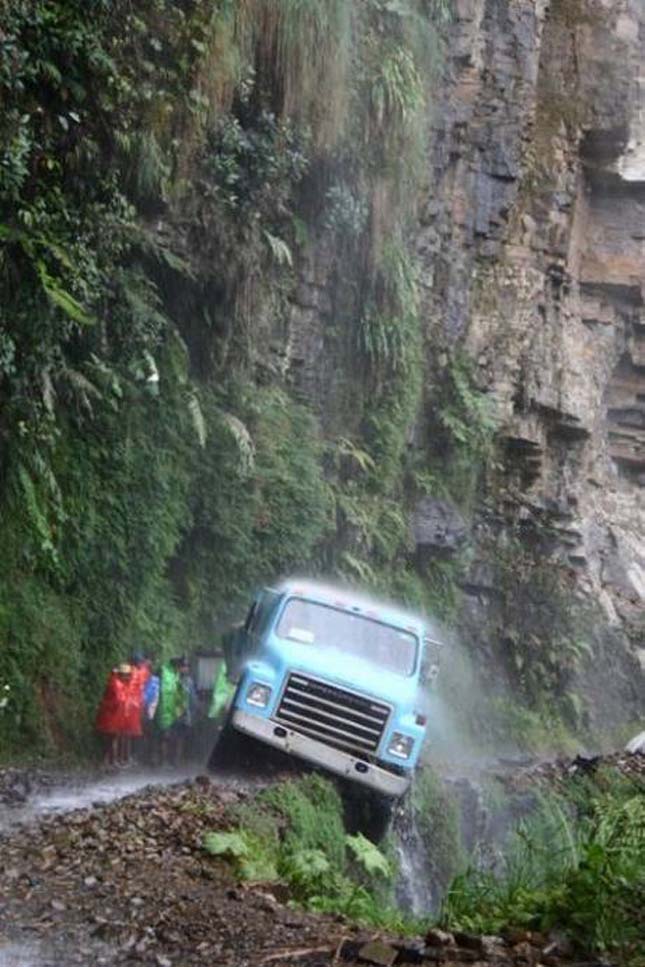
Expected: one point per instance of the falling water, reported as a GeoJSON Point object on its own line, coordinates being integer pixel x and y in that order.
{"type": "Point", "coordinates": [416, 894]}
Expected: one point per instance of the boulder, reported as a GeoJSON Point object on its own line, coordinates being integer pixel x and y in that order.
{"type": "Point", "coordinates": [437, 524]}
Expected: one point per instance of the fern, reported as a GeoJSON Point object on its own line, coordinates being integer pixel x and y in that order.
{"type": "Point", "coordinates": [154, 246]}
{"type": "Point", "coordinates": [197, 417]}
{"type": "Point", "coordinates": [307, 871]}
{"type": "Point", "coordinates": [81, 387]}
{"type": "Point", "coordinates": [361, 458]}
{"type": "Point", "coordinates": [252, 857]}
{"type": "Point", "coordinates": [32, 245]}
{"type": "Point", "coordinates": [296, 830]}
{"type": "Point", "coordinates": [279, 249]}
{"type": "Point", "coordinates": [388, 328]}
{"type": "Point", "coordinates": [34, 511]}
{"type": "Point", "coordinates": [229, 844]}
{"type": "Point", "coordinates": [60, 297]}
{"type": "Point", "coordinates": [369, 857]}
{"type": "Point", "coordinates": [48, 391]}
{"type": "Point", "coordinates": [244, 441]}
{"type": "Point", "coordinates": [397, 91]}
{"type": "Point", "coordinates": [442, 11]}
{"type": "Point", "coordinates": [142, 301]}
{"type": "Point", "coordinates": [354, 568]}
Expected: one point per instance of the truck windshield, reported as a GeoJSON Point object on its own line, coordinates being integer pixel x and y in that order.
{"type": "Point", "coordinates": [317, 624]}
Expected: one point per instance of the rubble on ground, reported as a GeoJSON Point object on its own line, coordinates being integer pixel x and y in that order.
{"type": "Point", "coordinates": [557, 773]}
{"type": "Point", "coordinates": [129, 884]}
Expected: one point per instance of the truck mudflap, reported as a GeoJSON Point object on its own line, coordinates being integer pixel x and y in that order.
{"type": "Point", "coordinates": [341, 763]}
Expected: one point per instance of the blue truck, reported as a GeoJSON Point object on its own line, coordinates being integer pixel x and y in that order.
{"type": "Point", "coordinates": [331, 678]}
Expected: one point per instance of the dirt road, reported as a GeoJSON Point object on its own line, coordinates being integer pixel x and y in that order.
{"type": "Point", "coordinates": [127, 883]}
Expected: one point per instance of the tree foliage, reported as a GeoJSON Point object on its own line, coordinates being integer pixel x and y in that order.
{"type": "Point", "coordinates": [156, 167]}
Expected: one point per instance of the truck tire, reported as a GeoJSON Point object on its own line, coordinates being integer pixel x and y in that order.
{"type": "Point", "coordinates": [366, 812]}
{"type": "Point", "coordinates": [233, 751]}
{"type": "Point", "coordinates": [379, 816]}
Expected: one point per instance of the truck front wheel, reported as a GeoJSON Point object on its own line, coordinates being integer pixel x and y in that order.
{"type": "Point", "coordinates": [232, 751]}
{"type": "Point", "coordinates": [366, 811]}
{"type": "Point", "coordinates": [379, 813]}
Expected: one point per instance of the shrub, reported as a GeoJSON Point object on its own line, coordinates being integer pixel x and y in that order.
{"type": "Point", "coordinates": [295, 831]}
{"type": "Point", "coordinates": [581, 871]}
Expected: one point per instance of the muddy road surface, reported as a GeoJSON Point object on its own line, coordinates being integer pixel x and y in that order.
{"type": "Point", "coordinates": [27, 795]}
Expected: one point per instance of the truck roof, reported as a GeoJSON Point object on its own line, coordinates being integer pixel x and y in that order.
{"type": "Point", "coordinates": [348, 597]}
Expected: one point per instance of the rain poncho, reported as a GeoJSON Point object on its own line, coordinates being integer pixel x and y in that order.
{"type": "Point", "coordinates": [189, 699]}
{"type": "Point", "coordinates": [171, 698]}
{"type": "Point", "coordinates": [110, 718]}
{"type": "Point", "coordinates": [151, 696]}
{"type": "Point", "coordinates": [134, 700]}
{"type": "Point", "coordinates": [223, 691]}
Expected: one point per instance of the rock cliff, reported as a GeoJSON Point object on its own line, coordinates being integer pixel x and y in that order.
{"type": "Point", "coordinates": [532, 243]}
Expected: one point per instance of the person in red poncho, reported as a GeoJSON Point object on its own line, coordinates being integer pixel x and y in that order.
{"type": "Point", "coordinates": [133, 725]}
{"type": "Point", "coordinates": [112, 718]}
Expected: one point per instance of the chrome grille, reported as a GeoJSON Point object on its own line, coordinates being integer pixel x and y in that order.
{"type": "Point", "coordinates": [332, 715]}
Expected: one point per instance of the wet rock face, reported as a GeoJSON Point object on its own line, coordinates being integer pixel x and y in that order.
{"type": "Point", "coordinates": [532, 243]}
{"type": "Point", "coordinates": [478, 149]}
{"type": "Point", "coordinates": [438, 526]}
{"type": "Point", "coordinates": [531, 246]}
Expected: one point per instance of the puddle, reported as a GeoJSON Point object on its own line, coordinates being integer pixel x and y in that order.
{"type": "Point", "coordinates": [30, 953]}
{"type": "Point", "coordinates": [24, 955]}
{"type": "Point", "coordinates": [106, 789]}
{"type": "Point", "coordinates": [74, 793]}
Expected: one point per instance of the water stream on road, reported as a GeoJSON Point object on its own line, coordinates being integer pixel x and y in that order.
{"type": "Point", "coordinates": [21, 955]}
{"type": "Point", "coordinates": [80, 793]}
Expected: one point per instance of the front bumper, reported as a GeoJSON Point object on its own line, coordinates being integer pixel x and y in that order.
{"type": "Point", "coordinates": [341, 763]}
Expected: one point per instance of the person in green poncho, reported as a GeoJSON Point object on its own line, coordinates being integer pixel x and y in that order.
{"type": "Point", "coordinates": [223, 691]}
{"type": "Point", "coordinates": [171, 703]}
{"type": "Point", "coordinates": [227, 675]}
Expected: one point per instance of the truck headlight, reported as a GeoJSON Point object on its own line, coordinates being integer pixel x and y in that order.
{"type": "Point", "coordinates": [400, 745]}
{"type": "Point", "coordinates": [258, 695]}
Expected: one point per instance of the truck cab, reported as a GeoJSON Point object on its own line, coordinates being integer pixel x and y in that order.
{"type": "Point", "coordinates": [333, 679]}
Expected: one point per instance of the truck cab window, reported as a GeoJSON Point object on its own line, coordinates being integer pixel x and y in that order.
{"type": "Point", "coordinates": [323, 626]}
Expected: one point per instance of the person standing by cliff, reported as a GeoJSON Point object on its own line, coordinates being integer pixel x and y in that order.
{"type": "Point", "coordinates": [151, 691]}
{"type": "Point", "coordinates": [170, 704]}
{"type": "Point", "coordinates": [223, 691]}
{"type": "Point", "coordinates": [133, 725]}
{"type": "Point", "coordinates": [182, 730]}
{"type": "Point", "coordinates": [111, 717]}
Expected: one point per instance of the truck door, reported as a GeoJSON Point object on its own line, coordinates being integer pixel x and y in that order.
{"type": "Point", "coordinates": [245, 640]}
{"type": "Point", "coordinates": [259, 618]}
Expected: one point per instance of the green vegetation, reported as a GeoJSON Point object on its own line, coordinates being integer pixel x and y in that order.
{"type": "Point", "coordinates": [162, 172]}
{"type": "Point", "coordinates": [544, 634]}
{"type": "Point", "coordinates": [169, 176]}
{"type": "Point", "coordinates": [294, 833]}
{"type": "Point", "coordinates": [577, 866]}
{"type": "Point", "coordinates": [462, 431]}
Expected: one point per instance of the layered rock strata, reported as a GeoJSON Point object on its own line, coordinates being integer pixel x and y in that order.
{"type": "Point", "coordinates": [534, 255]}
{"type": "Point", "coordinates": [531, 242]}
